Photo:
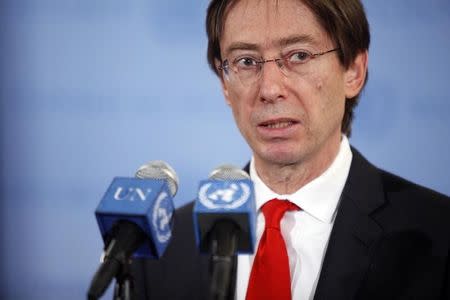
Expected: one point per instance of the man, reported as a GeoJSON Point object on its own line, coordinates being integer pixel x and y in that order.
{"type": "Point", "coordinates": [291, 72]}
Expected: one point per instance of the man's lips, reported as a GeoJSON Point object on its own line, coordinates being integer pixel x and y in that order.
{"type": "Point", "coordinates": [283, 128]}
{"type": "Point", "coordinates": [278, 123]}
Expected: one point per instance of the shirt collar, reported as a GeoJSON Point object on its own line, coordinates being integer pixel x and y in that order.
{"type": "Point", "coordinates": [320, 197]}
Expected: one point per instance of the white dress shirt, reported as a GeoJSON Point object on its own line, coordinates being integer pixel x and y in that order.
{"type": "Point", "coordinates": [306, 232]}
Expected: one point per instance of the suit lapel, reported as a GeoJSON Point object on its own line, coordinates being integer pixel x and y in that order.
{"type": "Point", "coordinates": [347, 256]}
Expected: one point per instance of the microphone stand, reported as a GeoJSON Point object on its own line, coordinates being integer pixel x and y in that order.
{"type": "Point", "coordinates": [223, 253]}
{"type": "Point", "coordinates": [123, 288]}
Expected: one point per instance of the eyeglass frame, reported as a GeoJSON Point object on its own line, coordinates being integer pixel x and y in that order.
{"type": "Point", "coordinates": [280, 61]}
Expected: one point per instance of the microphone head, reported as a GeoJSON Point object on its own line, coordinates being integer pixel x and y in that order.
{"type": "Point", "coordinates": [158, 169]}
{"type": "Point", "coordinates": [228, 172]}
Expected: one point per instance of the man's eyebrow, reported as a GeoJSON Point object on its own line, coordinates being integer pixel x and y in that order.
{"type": "Point", "coordinates": [241, 46]}
{"type": "Point", "coordinates": [290, 40]}
{"type": "Point", "coordinates": [295, 39]}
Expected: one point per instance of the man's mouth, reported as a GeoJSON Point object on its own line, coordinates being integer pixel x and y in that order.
{"type": "Point", "coordinates": [277, 124]}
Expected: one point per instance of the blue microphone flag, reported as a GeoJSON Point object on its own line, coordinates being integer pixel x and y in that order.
{"type": "Point", "coordinates": [230, 200]}
{"type": "Point", "coordinates": [144, 202]}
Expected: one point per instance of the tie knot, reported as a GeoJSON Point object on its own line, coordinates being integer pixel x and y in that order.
{"type": "Point", "coordinates": [274, 210]}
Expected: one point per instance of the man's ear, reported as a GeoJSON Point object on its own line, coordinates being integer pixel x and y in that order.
{"type": "Point", "coordinates": [355, 75]}
{"type": "Point", "coordinates": [222, 82]}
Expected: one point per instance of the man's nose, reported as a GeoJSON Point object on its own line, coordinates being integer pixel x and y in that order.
{"type": "Point", "coordinates": [272, 82]}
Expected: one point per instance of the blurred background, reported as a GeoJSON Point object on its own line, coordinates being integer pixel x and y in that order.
{"type": "Point", "coordinates": [90, 90]}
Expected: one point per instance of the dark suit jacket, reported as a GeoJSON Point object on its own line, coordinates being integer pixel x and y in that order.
{"type": "Point", "coordinates": [390, 240]}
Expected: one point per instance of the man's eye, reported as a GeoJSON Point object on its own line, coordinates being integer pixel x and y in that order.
{"type": "Point", "coordinates": [300, 56]}
{"type": "Point", "coordinates": [245, 62]}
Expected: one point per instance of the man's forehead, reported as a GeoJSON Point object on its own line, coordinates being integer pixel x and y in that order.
{"type": "Point", "coordinates": [270, 24]}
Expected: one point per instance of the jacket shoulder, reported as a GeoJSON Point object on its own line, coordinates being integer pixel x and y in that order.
{"type": "Point", "coordinates": [396, 187]}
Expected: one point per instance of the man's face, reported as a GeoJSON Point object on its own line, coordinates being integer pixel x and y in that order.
{"type": "Point", "coordinates": [285, 119]}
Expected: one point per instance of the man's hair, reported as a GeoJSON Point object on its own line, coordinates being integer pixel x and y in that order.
{"type": "Point", "coordinates": [344, 21]}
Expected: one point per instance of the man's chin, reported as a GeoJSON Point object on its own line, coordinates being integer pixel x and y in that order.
{"type": "Point", "coordinates": [280, 158]}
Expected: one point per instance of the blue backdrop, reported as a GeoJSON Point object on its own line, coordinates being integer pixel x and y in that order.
{"type": "Point", "coordinates": [93, 89]}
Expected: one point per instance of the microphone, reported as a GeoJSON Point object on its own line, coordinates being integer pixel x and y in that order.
{"type": "Point", "coordinates": [224, 222]}
{"type": "Point", "coordinates": [135, 218]}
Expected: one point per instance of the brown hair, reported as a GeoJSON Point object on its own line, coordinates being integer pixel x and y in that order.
{"type": "Point", "coordinates": [344, 20]}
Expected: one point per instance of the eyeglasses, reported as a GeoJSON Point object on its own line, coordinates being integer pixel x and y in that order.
{"type": "Point", "coordinates": [247, 69]}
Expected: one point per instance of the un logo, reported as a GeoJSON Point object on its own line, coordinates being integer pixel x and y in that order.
{"type": "Point", "coordinates": [224, 195]}
{"type": "Point", "coordinates": [162, 218]}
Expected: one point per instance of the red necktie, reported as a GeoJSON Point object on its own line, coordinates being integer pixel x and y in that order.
{"type": "Point", "coordinates": [270, 278]}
